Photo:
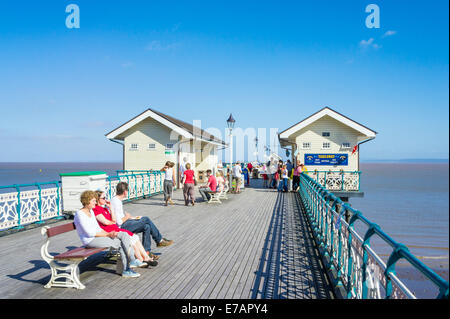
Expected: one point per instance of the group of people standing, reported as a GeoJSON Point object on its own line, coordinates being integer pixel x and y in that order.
{"type": "Point", "coordinates": [189, 182]}
{"type": "Point", "coordinates": [278, 174]}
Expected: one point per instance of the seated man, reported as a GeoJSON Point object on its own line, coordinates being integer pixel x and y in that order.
{"type": "Point", "coordinates": [211, 186]}
{"type": "Point", "coordinates": [137, 224]}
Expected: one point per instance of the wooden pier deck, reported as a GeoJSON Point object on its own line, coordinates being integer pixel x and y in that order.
{"type": "Point", "coordinates": [256, 244]}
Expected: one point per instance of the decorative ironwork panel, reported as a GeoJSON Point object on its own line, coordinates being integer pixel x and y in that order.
{"type": "Point", "coordinates": [8, 210]}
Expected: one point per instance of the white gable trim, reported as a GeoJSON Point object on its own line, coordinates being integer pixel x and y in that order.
{"type": "Point", "coordinates": [143, 116]}
{"type": "Point", "coordinates": [331, 113]}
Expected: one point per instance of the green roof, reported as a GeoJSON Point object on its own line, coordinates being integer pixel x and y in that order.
{"type": "Point", "coordinates": [82, 173]}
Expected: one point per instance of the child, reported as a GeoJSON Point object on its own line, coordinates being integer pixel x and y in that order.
{"type": "Point", "coordinates": [265, 178]}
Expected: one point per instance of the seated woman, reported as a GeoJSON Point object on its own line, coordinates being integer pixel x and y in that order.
{"type": "Point", "coordinates": [220, 181]}
{"type": "Point", "coordinates": [92, 236]}
{"type": "Point", "coordinates": [107, 222]}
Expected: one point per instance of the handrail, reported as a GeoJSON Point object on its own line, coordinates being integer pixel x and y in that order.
{"type": "Point", "coordinates": [343, 173]}
{"type": "Point", "coordinates": [316, 200]}
{"type": "Point", "coordinates": [17, 210]}
{"type": "Point", "coordinates": [133, 193]}
{"type": "Point", "coordinates": [18, 205]}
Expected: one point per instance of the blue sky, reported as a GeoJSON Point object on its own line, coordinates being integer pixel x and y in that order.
{"type": "Point", "coordinates": [269, 63]}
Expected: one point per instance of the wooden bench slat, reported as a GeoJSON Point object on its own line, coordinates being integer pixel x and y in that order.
{"type": "Point", "coordinates": [78, 253]}
{"type": "Point", "coordinates": [53, 231]}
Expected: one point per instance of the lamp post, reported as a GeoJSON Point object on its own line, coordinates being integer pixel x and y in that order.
{"type": "Point", "coordinates": [256, 142]}
{"type": "Point", "coordinates": [230, 124]}
{"type": "Point", "coordinates": [267, 149]}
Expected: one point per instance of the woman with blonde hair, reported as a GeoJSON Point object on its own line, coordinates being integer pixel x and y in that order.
{"type": "Point", "coordinates": [220, 181]}
{"type": "Point", "coordinates": [92, 236]}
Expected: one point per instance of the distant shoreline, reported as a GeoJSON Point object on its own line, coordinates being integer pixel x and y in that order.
{"type": "Point", "coordinates": [408, 161]}
{"type": "Point", "coordinates": [399, 161]}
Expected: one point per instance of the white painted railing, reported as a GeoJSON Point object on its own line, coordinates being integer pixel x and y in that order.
{"type": "Point", "coordinates": [25, 206]}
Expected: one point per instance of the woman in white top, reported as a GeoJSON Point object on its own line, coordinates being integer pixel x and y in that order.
{"type": "Point", "coordinates": [169, 181]}
{"type": "Point", "coordinates": [284, 178]}
{"type": "Point", "coordinates": [92, 236]}
{"type": "Point", "coordinates": [237, 175]}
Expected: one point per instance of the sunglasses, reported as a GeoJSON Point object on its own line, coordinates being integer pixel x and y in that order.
{"type": "Point", "coordinates": [102, 197]}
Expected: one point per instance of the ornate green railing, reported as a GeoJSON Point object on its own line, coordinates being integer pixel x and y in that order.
{"type": "Point", "coordinates": [34, 203]}
{"type": "Point", "coordinates": [337, 180]}
{"type": "Point", "coordinates": [140, 183]}
{"type": "Point", "coordinates": [25, 206]}
{"type": "Point", "coordinates": [353, 265]}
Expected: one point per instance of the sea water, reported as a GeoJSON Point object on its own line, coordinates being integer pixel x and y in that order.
{"type": "Point", "coordinates": [410, 202]}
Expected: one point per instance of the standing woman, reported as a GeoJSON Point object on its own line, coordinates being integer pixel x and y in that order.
{"type": "Point", "coordinates": [284, 178]}
{"type": "Point", "coordinates": [169, 181]}
{"type": "Point", "coordinates": [92, 236]}
{"type": "Point", "coordinates": [296, 177]}
{"type": "Point", "coordinates": [188, 187]}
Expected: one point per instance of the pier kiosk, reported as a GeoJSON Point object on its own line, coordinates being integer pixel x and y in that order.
{"type": "Point", "coordinates": [152, 138]}
{"type": "Point", "coordinates": [328, 144]}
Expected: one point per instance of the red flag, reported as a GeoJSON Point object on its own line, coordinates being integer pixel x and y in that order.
{"type": "Point", "coordinates": [355, 148]}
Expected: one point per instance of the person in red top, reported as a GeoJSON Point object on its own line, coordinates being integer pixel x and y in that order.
{"type": "Point", "coordinates": [107, 222]}
{"type": "Point", "coordinates": [210, 186]}
{"type": "Point", "coordinates": [189, 183]}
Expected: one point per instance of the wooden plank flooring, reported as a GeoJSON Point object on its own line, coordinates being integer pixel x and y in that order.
{"type": "Point", "coordinates": [255, 245]}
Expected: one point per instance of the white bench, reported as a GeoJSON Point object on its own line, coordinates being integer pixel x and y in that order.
{"type": "Point", "coordinates": [223, 194]}
{"type": "Point", "coordinates": [215, 196]}
{"type": "Point", "coordinates": [69, 274]}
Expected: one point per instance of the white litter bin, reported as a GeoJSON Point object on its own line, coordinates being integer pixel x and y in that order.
{"type": "Point", "coordinates": [73, 184]}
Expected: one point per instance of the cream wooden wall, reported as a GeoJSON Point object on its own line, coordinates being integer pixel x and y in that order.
{"type": "Point", "coordinates": [339, 133]}
{"type": "Point", "coordinates": [144, 133]}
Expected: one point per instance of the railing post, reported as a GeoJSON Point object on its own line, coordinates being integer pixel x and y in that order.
{"type": "Point", "coordinates": [370, 232]}
{"type": "Point", "coordinates": [58, 201]}
{"type": "Point", "coordinates": [40, 204]}
{"type": "Point", "coordinates": [150, 173]}
{"type": "Point", "coordinates": [331, 239]}
{"type": "Point", "coordinates": [350, 227]}
{"type": "Point", "coordinates": [18, 208]}
{"type": "Point", "coordinates": [359, 181]}
{"type": "Point", "coordinates": [390, 267]}
{"type": "Point", "coordinates": [128, 182]}
{"type": "Point", "coordinates": [110, 188]}
{"type": "Point", "coordinates": [143, 185]}
{"type": "Point", "coordinates": [339, 257]}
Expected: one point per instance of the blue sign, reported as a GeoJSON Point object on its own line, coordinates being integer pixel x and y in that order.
{"type": "Point", "coordinates": [326, 159]}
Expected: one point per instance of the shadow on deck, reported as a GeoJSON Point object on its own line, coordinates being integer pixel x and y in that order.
{"type": "Point", "coordinates": [290, 266]}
